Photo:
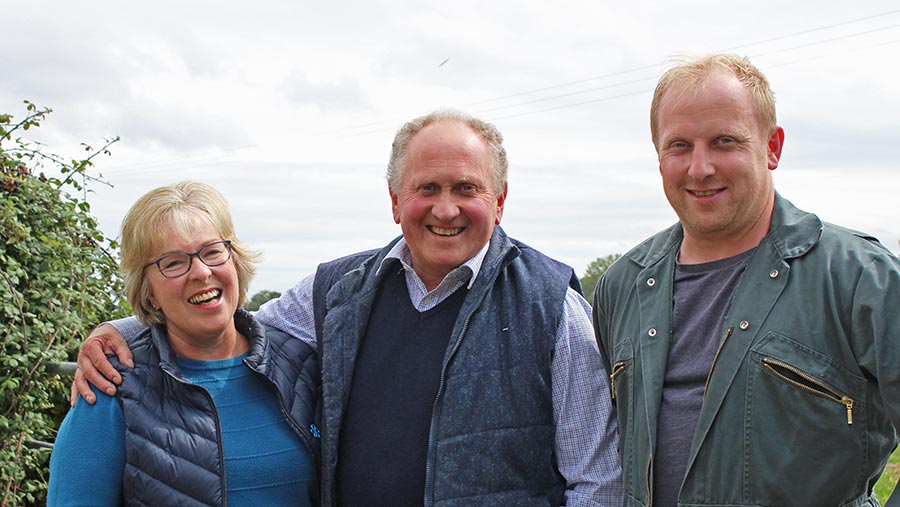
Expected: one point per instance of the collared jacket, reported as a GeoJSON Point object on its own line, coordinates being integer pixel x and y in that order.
{"type": "Point", "coordinates": [803, 398]}
{"type": "Point", "coordinates": [173, 446]}
{"type": "Point", "coordinates": [492, 430]}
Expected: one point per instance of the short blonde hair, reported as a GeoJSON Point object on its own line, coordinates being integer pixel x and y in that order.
{"type": "Point", "coordinates": [697, 71]}
{"type": "Point", "coordinates": [179, 206]}
{"type": "Point", "coordinates": [487, 131]}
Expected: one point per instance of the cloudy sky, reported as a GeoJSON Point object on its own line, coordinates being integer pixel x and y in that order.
{"type": "Point", "coordinates": [289, 107]}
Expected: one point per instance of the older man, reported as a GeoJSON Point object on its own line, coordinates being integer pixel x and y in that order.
{"type": "Point", "coordinates": [459, 365]}
{"type": "Point", "coordinates": [754, 350]}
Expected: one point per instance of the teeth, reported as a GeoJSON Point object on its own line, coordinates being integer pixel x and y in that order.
{"type": "Point", "coordinates": [704, 194]}
{"type": "Point", "coordinates": [446, 232]}
{"type": "Point", "coordinates": [206, 296]}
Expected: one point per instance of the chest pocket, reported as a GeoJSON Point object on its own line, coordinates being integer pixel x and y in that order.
{"type": "Point", "coordinates": [803, 410]}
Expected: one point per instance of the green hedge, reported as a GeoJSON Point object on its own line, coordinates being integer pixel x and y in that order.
{"type": "Point", "coordinates": [58, 279]}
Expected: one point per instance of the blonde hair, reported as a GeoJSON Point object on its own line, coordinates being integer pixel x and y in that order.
{"type": "Point", "coordinates": [180, 206]}
{"type": "Point", "coordinates": [485, 130]}
{"type": "Point", "coordinates": [697, 71]}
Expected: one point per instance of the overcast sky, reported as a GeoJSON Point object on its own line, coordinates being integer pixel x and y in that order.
{"type": "Point", "coordinates": [289, 107]}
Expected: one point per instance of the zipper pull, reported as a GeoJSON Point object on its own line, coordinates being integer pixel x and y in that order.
{"type": "Point", "coordinates": [848, 402]}
{"type": "Point", "coordinates": [617, 369]}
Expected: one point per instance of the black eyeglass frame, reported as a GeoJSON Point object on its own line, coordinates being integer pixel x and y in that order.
{"type": "Point", "coordinates": [226, 242]}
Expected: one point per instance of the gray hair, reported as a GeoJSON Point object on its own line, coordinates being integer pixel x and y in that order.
{"type": "Point", "coordinates": [486, 130]}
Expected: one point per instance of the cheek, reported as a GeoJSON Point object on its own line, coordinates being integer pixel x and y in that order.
{"type": "Point", "coordinates": [668, 173]}
{"type": "Point", "coordinates": [161, 293]}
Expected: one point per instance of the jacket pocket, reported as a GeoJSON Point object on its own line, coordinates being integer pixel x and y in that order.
{"type": "Point", "coordinates": [805, 425]}
{"type": "Point", "coordinates": [807, 383]}
{"type": "Point", "coordinates": [621, 384]}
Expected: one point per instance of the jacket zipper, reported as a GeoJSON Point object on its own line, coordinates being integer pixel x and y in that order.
{"type": "Point", "coordinates": [440, 392]}
{"type": "Point", "coordinates": [218, 433]}
{"type": "Point", "coordinates": [618, 369]}
{"type": "Point", "coordinates": [814, 385]}
{"type": "Point", "coordinates": [716, 358]}
{"type": "Point", "coordinates": [297, 429]}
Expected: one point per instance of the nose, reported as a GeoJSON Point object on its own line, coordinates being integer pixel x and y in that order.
{"type": "Point", "coordinates": [701, 165]}
{"type": "Point", "coordinates": [199, 270]}
{"type": "Point", "coordinates": [445, 208]}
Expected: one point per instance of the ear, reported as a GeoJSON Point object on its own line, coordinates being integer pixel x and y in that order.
{"type": "Point", "coordinates": [153, 303]}
{"type": "Point", "coordinates": [776, 142]}
{"type": "Point", "coordinates": [501, 200]}
{"type": "Point", "coordinates": [395, 206]}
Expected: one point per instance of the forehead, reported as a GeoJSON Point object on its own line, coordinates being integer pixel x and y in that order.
{"type": "Point", "coordinates": [183, 231]}
{"type": "Point", "coordinates": [450, 147]}
{"type": "Point", "coordinates": [721, 92]}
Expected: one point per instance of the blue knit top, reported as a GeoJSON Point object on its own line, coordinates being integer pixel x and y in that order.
{"type": "Point", "coordinates": [266, 463]}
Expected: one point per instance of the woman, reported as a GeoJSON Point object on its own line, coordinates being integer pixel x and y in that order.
{"type": "Point", "coordinates": [216, 408]}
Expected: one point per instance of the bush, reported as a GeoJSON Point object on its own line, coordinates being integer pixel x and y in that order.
{"type": "Point", "coordinates": [58, 279]}
{"type": "Point", "coordinates": [593, 273]}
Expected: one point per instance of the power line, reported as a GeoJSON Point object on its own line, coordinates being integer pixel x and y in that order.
{"type": "Point", "coordinates": [659, 65]}
{"type": "Point", "coordinates": [382, 126]}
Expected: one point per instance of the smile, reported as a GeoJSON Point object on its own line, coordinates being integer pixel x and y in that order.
{"type": "Point", "coordinates": [205, 297]}
{"type": "Point", "coordinates": [704, 193]}
{"type": "Point", "coordinates": [440, 231]}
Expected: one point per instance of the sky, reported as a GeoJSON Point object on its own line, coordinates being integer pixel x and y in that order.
{"type": "Point", "coordinates": [289, 108]}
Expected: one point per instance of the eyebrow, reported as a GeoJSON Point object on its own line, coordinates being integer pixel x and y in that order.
{"type": "Point", "coordinates": [175, 252]}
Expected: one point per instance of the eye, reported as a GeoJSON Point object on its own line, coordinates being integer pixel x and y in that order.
{"type": "Point", "coordinates": [428, 187]}
{"type": "Point", "coordinates": [468, 188]}
{"type": "Point", "coordinates": [214, 253]}
{"type": "Point", "coordinates": [677, 146]}
{"type": "Point", "coordinates": [173, 263]}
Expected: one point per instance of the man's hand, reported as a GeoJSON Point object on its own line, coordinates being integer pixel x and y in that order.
{"type": "Point", "coordinates": [93, 366]}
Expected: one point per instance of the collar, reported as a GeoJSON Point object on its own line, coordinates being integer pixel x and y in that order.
{"type": "Point", "coordinates": [793, 233]}
{"type": "Point", "coordinates": [469, 269]}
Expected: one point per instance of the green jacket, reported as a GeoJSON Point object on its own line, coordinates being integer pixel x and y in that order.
{"type": "Point", "coordinates": [803, 397]}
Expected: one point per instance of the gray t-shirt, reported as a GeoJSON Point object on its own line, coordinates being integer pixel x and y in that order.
{"type": "Point", "coordinates": [702, 297]}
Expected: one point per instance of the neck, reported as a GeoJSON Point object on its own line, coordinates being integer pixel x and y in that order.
{"type": "Point", "coordinates": [702, 248]}
{"type": "Point", "coordinates": [229, 343]}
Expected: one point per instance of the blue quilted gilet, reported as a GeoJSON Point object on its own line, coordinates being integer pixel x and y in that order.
{"type": "Point", "coordinates": [172, 440]}
{"type": "Point", "coordinates": [492, 431]}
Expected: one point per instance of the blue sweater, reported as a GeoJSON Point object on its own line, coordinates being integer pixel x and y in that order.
{"type": "Point", "coordinates": [266, 462]}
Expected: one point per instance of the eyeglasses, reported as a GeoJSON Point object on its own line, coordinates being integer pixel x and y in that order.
{"type": "Point", "coordinates": [175, 265]}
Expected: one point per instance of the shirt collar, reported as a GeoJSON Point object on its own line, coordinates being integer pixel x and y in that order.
{"type": "Point", "coordinates": [400, 252]}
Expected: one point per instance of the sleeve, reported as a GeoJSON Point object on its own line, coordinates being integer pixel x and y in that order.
{"type": "Point", "coordinates": [876, 334]}
{"type": "Point", "coordinates": [129, 327]}
{"type": "Point", "coordinates": [293, 312]}
{"type": "Point", "coordinates": [88, 458]}
{"type": "Point", "coordinates": [586, 432]}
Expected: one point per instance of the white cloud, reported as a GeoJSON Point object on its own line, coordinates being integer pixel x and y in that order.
{"type": "Point", "coordinates": [290, 107]}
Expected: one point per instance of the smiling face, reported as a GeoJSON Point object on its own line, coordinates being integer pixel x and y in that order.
{"type": "Point", "coordinates": [198, 306]}
{"type": "Point", "coordinates": [716, 163]}
{"type": "Point", "coordinates": [445, 204]}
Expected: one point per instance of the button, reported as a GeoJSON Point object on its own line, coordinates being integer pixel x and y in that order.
{"type": "Point", "coordinates": [652, 332]}
{"type": "Point", "coordinates": [651, 282]}
{"type": "Point", "coordinates": [744, 325]}
{"type": "Point", "coordinates": [773, 273]}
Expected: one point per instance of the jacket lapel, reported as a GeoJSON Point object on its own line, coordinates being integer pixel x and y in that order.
{"type": "Point", "coordinates": [654, 288]}
{"type": "Point", "coordinates": [792, 234]}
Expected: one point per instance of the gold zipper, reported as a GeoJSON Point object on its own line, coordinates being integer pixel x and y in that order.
{"type": "Point", "coordinates": [824, 390]}
{"type": "Point", "coordinates": [716, 358]}
{"type": "Point", "coordinates": [618, 368]}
